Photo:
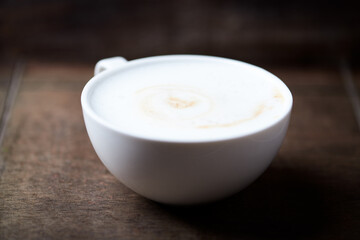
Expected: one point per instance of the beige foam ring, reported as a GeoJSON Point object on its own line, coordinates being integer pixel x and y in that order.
{"type": "Point", "coordinates": [181, 104]}
{"type": "Point", "coordinates": [278, 95]}
{"type": "Point", "coordinates": [259, 110]}
{"type": "Point", "coordinates": [172, 101]}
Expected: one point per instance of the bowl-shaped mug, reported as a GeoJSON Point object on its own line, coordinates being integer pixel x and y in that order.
{"type": "Point", "coordinates": [182, 172]}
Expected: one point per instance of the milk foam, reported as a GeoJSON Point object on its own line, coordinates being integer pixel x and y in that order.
{"type": "Point", "coordinates": [190, 100]}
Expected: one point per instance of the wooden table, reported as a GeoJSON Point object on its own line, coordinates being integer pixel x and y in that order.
{"type": "Point", "coordinates": [53, 185]}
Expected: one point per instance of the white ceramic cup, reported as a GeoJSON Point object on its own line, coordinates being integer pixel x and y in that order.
{"type": "Point", "coordinates": [178, 172]}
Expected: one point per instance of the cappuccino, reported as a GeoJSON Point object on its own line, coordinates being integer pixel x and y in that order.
{"type": "Point", "coordinates": [190, 99]}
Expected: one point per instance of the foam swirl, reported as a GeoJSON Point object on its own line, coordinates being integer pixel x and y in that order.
{"type": "Point", "coordinates": [190, 100]}
{"type": "Point", "coordinates": [174, 103]}
{"type": "Point", "coordinates": [189, 107]}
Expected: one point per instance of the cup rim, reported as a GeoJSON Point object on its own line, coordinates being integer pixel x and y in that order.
{"type": "Point", "coordinates": [87, 109]}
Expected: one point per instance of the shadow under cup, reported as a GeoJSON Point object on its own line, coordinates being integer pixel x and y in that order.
{"type": "Point", "coordinates": [183, 171]}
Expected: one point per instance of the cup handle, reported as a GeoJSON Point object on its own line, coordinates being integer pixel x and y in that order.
{"type": "Point", "coordinates": [108, 63]}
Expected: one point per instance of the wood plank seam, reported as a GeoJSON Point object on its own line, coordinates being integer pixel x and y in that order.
{"type": "Point", "coordinates": [350, 89]}
{"type": "Point", "coordinates": [13, 88]}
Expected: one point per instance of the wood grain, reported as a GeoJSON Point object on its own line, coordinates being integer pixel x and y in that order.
{"type": "Point", "coordinates": [5, 76]}
{"type": "Point", "coordinates": [54, 186]}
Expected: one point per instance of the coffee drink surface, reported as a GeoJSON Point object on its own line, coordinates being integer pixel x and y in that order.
{"type": "Point", "coordinates": [194, 100]}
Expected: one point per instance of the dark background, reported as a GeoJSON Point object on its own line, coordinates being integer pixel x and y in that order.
{"type": "Point", "coordinates": [256, 31]}
{"type": "Point", "coordinates": [52, 184]}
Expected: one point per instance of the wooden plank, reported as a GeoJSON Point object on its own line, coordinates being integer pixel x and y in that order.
{"type": "Point", "coordinates": [54, 186]}
{"type": "Point", "coordinates": [320, 156]}
{"type": "Point", "coordinates": [11, 93]}
{"type": "Point", "coordinates": [5, 76]}
{"type": "Point", "coordinates": [351, 89]}
{"type": "Point", "coordinates": [8, 91]}
{"type": "Point", "coordinates": [354, 79]}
